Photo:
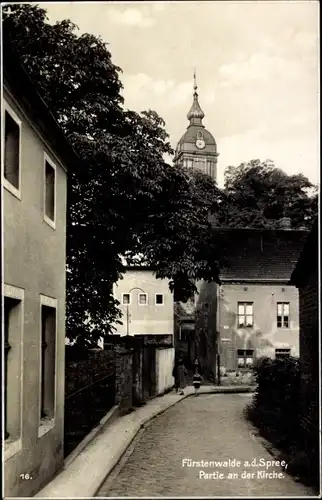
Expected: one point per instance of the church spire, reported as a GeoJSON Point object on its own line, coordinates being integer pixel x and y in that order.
{"type": "Point", "coordinates": [195, 114]}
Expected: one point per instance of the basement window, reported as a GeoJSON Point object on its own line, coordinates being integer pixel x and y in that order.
{"type": "Point", "coordinates": [282, 353]}
{"type": "Point", "coordinates": [245, 358]}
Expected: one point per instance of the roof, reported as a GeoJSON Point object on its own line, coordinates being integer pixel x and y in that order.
{"type": "Point", "coordinates": [308, 259]}
{"type": "Point", "coordinates": [17, 81]}
{"type": "Point", "coordinates": [259, 254]}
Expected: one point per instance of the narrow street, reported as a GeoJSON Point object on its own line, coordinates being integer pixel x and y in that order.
{"type": "Point", "coordinates": [207, 428]}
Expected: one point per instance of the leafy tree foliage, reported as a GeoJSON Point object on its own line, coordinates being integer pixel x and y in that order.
{"type": "Point", "coordinates": [123, 197]}
{"type": "Point", "coordinates": [257, 194]}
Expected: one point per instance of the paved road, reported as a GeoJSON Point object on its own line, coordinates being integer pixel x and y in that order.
{"type": "Point", "coordinates": [207, 428]}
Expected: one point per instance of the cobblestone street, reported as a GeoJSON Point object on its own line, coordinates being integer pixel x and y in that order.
{"type": "Point", "coordinates": [207, 428]}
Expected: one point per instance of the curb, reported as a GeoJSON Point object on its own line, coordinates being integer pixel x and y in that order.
{"type": "Point", "coordinates": [108, 419]}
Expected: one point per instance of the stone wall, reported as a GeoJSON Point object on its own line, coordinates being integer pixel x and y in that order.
{"type": "Point", "coordinates": [123, 377]}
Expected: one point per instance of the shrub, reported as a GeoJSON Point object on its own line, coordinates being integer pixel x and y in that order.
{"type": "Point", "coordinates": [275, 411]}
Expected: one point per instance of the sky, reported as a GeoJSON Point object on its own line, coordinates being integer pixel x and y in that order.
{"type": "Point", "coordinates": [257, 66]}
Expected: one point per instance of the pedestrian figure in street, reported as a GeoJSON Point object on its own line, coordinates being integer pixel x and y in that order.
{"type": "Point", "coordinates": [196, 381]}
{"type": "Point", "coordinates": [196, 365]}
{"type": "Point", "coordinates": [180, 373]}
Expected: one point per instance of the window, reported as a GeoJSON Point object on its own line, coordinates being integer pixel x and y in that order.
{"type": "Point", "coordinates": [48, 358]}
{"type": "Point", "coordinates": [282, 353]}
{"type": "Point", "coordinates": [245, 314]}
{"type": "Point", "coordinates": [13, 330]}
{"type": "Point", "coordinates": [283, 313]}
{"type": "Point", "coordinates": [143, 299]}
{"type": "Point", "coordinates": [125, 298]}
{"type": "Point", "coordinates": [50, 192]}
{"type": "Point", "coordinates": [159, 299]}
{"type": "Point", "coordinates": [245, 358]}
{"type": "Point", "coordinates": [11, 152]}
{"type": "Point", "coordinates": [200, 163]}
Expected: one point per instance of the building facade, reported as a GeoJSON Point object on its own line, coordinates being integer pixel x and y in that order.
{"type": "Point", "coordinates": [254, 312]}
{"type": "Point", "coordinates": [35, 160]}
{"type": "Point", "coordinates": [146, 303]}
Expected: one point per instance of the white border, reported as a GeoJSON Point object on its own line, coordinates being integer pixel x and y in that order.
{"type": "Point", "coordinates": [51, 223]}
{"type": "Point", "coordinates": [146, 296]}
{"type": "Point", "coordinates": [6, 184]}
{"type": "Point", "coordinates": [129, 303]}
{"type": "Point", "coordinates": [45, 425]}
{"type": "Point", "coordinates": [155, 300]}
{"type": "Point", "coordinates": [13, 292]}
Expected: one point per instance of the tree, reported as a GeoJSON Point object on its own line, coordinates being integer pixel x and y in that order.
{"type": "Point", "coordinates": [123, 198]}
{"type": "Point", "coordinates": [257, 194]}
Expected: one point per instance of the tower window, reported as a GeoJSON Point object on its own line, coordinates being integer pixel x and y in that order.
{"type": "Point", "coordinates": [199, 134]}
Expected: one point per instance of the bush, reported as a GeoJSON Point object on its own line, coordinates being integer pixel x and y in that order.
{"type": "Point", "coordinates": [275, 411]}
{"type": "Point", "coordinates": [276, 396]}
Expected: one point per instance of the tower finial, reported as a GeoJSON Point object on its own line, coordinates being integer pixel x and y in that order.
{"type": "Point", "coordinates": [194, 80]}
{"type": "Point", "coordinates": [195, 114]}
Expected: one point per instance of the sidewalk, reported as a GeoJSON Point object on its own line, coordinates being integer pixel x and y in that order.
{"type": "Point", "coordinates": [85, 474]}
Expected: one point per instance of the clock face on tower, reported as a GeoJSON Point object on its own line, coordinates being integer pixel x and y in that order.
{"type": "Point", "coordinates": [200, 143]}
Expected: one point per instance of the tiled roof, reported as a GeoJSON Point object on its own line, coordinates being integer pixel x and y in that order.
{"type": "Point", "coordinates": [259, 254]}
{"type": "Point", "coordinates": [308, 259]}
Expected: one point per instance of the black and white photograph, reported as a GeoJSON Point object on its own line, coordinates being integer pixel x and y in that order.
{"type": "Point", "coordinates": [160, 169]}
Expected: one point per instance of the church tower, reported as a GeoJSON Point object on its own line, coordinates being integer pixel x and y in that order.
{"type": "Point", "coordinates": [197, 148]}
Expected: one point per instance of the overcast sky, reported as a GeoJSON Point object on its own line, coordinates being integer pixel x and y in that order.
{"type": "Point", "coordinates": [257, 71]}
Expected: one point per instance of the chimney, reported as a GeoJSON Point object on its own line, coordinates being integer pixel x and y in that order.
{"type": "Point", "coordinates": [284, 223]}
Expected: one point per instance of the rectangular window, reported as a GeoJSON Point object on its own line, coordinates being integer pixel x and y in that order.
{"type": "Point", "coordinates": [143, 299]}
{"type": "Point", "coordinates": [48, 361]}
{"type": "Point", "coordinates": [125, 298]}
{"type": "Point", "coordinates": [12, 152]}
{"type": "Point", "coordinates": [159, 299]}
{"type": "Point", "coordinates": [282, 353]}
{"type": "Point", "coordinates": [245, 358]}
{"type": "Point", "coordinates": [283, 314]}
{"type": "Point", "coordinates": [50, 192]}
{"type": "Point", "coordinates": [245, 314]}
{"type": "Point", "coordinates": [12, 383]}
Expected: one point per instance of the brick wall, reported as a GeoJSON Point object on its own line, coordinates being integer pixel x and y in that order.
{"type": "Point", "coordinates": [309, 355]}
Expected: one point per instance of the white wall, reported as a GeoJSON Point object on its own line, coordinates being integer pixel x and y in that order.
{"type": "Point", "coordinates": [149, 319]}
{"type": "Point", "coordinates": [164, 366]}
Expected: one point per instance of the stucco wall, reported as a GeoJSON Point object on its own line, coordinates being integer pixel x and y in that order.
{"type": "Point", "coordinates": [34, 260]}
{"type": "Point", "coordinates": [164, 367]}
{"type": "Point", "coordinates": [145, 319]}
{"type": "Point", "coordinates": [264, 336]}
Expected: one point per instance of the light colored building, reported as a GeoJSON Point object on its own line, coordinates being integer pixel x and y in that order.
{"type": "Point", "coordinates": [36, 157]}
{"type": "Point", "coordinates": [146, 303]}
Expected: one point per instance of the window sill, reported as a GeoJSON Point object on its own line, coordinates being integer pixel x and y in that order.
{"type": "Point", "coordinates": [45, 426]}
{"type": "Point", "coordinates": [9, 187]}
{"type": "Point", "coordinates": [50, 222]}
{"type": "Point", "coordinates": [11, 448]}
